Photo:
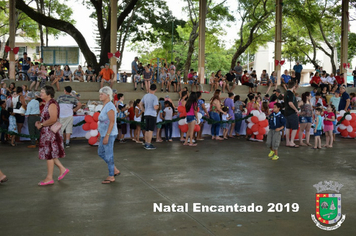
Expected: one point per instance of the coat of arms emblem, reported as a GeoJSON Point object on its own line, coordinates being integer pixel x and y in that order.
{"type": "Point", "coordinates": [328, 206]}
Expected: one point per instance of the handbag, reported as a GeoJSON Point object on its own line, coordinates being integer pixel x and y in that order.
{"type": "Point", "coordinates": [56, 127]}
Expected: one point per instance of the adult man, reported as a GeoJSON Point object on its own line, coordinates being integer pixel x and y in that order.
{"type": "Point", "coordinates": [26, 63]}
{"type": "Point", "coordinates": [90, 74]}
{"type": "Point", "coordinates": [276, 95]}
{"type": "Point", "coordinates": [335, 100]}
{"type": "Point", "coordinates": [354, 75]}
{"type": "Point", "coordinates": [285, 79]}
{"type": "Point", "coordinates": [134, 67]}
{"type": "Point", "coordinates": [238, 72]}
{"type": "Point", "coordinates": [33, 113]}
{"type": "Point", "coordinates": [291, 114]}
{"type": "Point", "coordinates": [315, 100]}
{"type": "Point", "coordinates": [231, 81]}
{"type": "Point", "coordinates": [340, 80]}
{"type": "Point", "coordinates": [298, 71]}
{"type": "Point", "coordinates": [344, 100]}
{"type": "Point", "coordinates": [149, 105]}
{"type": "Point", "coordinates": [107, 75]}
{"type": "Point", "coordinates": [66, 103]}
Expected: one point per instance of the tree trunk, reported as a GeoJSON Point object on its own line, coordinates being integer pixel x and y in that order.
{"type": "Point", "coordinates": [192, 37]}
{"type": "Point", "coordinates": [39, 4]}
{"type": "Point", "coordinates": [75, 33]}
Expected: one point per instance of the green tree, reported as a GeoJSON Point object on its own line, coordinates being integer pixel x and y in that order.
{"type": "Point", "coordinates": [256, 26]}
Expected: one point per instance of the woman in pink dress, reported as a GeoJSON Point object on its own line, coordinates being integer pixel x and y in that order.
{"type": "Point", "coordinates": [51, 144]}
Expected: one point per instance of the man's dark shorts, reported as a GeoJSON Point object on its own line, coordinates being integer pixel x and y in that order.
{"type": "Point", "coordinates": [292, 122]}
{"type": "Point", "coordinates": [150, 123]}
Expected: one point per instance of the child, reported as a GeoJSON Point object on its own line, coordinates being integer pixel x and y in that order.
{"type": "Point", "coordinates": [131, 114]}
{"type": "Point", "coordinates": [3, 92]}
{"type": "Point", "coordinates": [225, 117]}
{"type": "Point", "coordinates": [329, 118]}
{"type": "Point", "coordinates": [138, 80]}
{"type": "Point", "coordinates": [195, 81]}
{"type": "Point", "coordinates": [212, 82]}
{"type": "Point", "coordinates": [265, 108]}
{"type": "Point", "coordinates": [159, 126]}
{"type": "Point", "coordinates": [317, 129]}
{"type": "Point", "coordinates": [168, 116]}
{"type": "Point", "coordinates": [276, 123]}
{"type": "Point", "coordinates": [353, 100]}
{"type": "Point", "coordinates": [42, 77]}
{"type": "Point", "coordinates": [137, 118]}
{"type": "Point", "coordinates": [12, 126]}
{"type": "Point", "coordinates": [177, 85]}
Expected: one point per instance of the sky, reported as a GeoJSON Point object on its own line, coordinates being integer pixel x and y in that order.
{"type": "Point", "coordinates": [86, 26]}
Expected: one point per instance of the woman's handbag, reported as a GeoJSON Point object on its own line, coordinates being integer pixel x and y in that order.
{"type": "Point", "coordinates": [56, 127]}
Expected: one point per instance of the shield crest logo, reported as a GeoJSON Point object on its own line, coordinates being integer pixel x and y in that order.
{"type": "Point", "coordinates": [328, 208]}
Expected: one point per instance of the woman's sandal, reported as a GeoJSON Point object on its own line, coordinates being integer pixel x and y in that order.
{"type": "Point", "coordinates": [4, 179]}
{"type": "Point", "coordinates": [107, 181]}
{"type": "Point", "coordinates": [192, 144]}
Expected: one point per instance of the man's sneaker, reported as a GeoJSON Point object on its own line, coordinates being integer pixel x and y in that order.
{"type": "Point", "coordinates": [122, 141]}
{"type": "Point", "coordinates": [142, 89]}
{"type": "Point", "coordinates": [150, 147]}
{"type": "Point", "coordinates": [275, 158]}
{"type": "Point", "coordinates": [271, 154]}
{"type": "Point", "coordinates": [145, 146]}
{"type": "Point", "coordinates": [67, 145]}
{"type": "Point", "coordinates": [135, 89]}
{"type": "Point", "coordinates": [161, 89]}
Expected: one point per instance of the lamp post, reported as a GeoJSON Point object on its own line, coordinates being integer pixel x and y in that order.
{"type": "Point", "coordinates": [172, 37]}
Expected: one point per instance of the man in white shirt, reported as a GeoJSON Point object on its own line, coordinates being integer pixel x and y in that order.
{"type": "Point", "coordinates": [66, 104]}
{"type": "Point", "coordinates": [315, 100]}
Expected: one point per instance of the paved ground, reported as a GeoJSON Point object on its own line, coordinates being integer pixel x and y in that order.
{"type": "Point", "coordinates": [214, 173]}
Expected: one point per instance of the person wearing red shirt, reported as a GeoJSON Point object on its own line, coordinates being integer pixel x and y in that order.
{"type": "Point", "coordinates": [131, 118]}
{"type": "Point", "coordinates": [340, 80]}
{"type": "Point", "coordinates": [315, 81]}
{"type": "Point", "coordinates": [246, 81]}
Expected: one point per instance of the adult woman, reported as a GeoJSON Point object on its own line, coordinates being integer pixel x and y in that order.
{"type": "Point", "coordinates": [220, 80]}
{"type": "Point", "coordinates": [305, 118]}
{"type": "Point", "coordinates": [191, 108]}
{"type": "Point", "coordinates": [17, 104]}
{"type": "Point", "coordinates": [203, 112]}
{"type": "Point", "coordinates": [67, 73]}
{"type": "Point", "coordinates": [108, 132]}
{"type": "Point", "coordinates": [58, 76]}
{"type": "Point", "coordinates": [315, 81]}
{"type": "Point", "coordinates": [215, 110]}
{"type": "Point", "coordinates": [181, 102]}
{"type": "Point", "coordinates": [229, 102]}
{"type": "Point", "coordinates": [147, 76]}
{"type": "Point", "coordinates": [51, 144]}
{"type": "Point", "coordinates": [78, 74]}
{"type": "Point", "coordinates": [25, 92]}
{"type": "Point", "coordinates": [238, 105]}
{"type": "Point", "coordinates": [12, 87]}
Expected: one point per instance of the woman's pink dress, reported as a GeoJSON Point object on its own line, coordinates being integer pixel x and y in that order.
{"type": "Point", "coordinates": [51, 144]}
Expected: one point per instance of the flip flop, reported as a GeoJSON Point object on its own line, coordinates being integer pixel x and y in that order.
{"type": "Point", "coordinates": [295, 146]}
{"type": "Point", "coordinates": [107, 181]}
{"type": "Point", "coordinates": [117, 174]}
{"type": "Point", "coordinates": [314, 148]}
{"type": "Point", "coordinates": [192, 144]}
{"type": "Point", "coordinates": [46, 183]}
{"type": "Point", "coordinates": [4, 179]}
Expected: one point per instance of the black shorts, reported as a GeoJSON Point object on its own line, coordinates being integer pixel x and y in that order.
{"type": "Point", "coordinates": [173, 82]}
{"type": "Point", "coordinates": [249, 85]}
{"type": "Point", "coordinates": [150, 123]}
{"type": "Point", "coordinates": [123, 127]}
{"type": "Point", "coordinates": [20, 119]}
{"type": "Point", "coordinates": [292, 122]}
{"type": "Point", "coordinates": [132, 126]}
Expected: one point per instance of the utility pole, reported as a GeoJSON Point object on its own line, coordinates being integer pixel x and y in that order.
{"type": "Point", "coordinates": [278, 39]}
{"type": "Point", "coordinates": [12, 23]}
{"type": "Point", "coordinates": [113, 35]}
{"type": "Point", "coordinates": [344, 37]}
{"type": "Point", "coordinates": [201, 57]}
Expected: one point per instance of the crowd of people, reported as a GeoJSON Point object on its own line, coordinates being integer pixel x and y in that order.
{"type": "Point", "coordinates": [287, 113]}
